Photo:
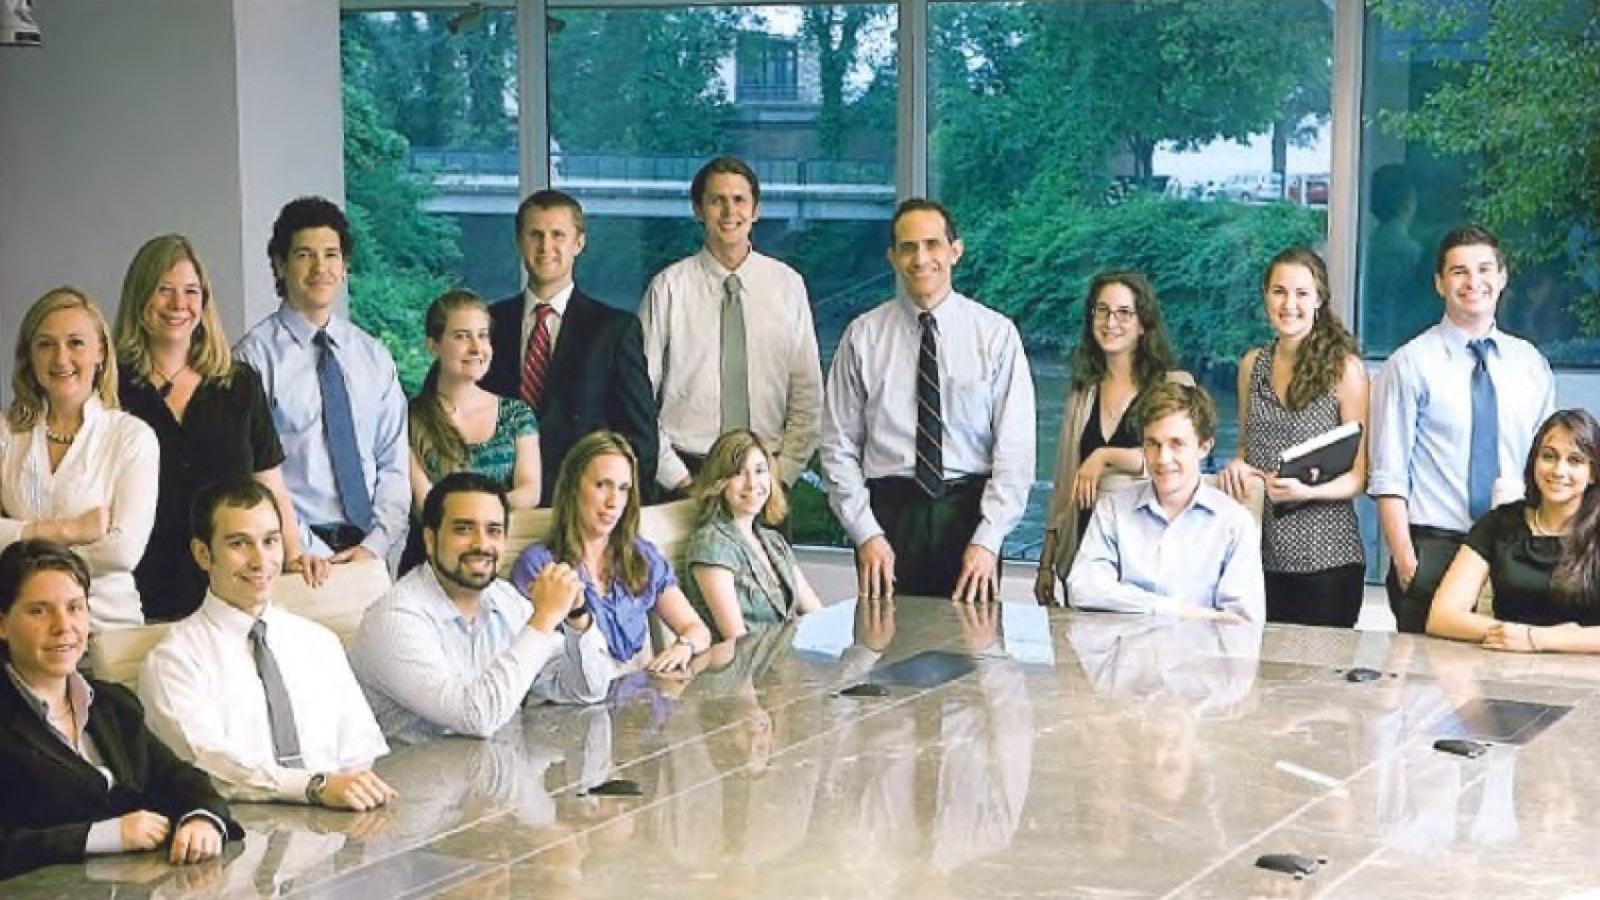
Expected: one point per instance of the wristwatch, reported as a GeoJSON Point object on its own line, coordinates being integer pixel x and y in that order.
{"type": "Point", "coordinates": [314, 788]}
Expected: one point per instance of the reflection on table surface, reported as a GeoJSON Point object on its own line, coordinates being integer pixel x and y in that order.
{"type": "Point", "coordinates": [1034, 751]}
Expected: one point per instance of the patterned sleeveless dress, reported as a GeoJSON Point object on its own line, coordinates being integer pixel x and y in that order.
{"type": "Point", "coordinates": [1311, 537]}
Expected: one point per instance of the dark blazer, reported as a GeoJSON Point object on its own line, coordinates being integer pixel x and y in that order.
{"type": "Point", "coordinates": [597, 380]}
{"type": "Point", "coordinates": [49, 796]}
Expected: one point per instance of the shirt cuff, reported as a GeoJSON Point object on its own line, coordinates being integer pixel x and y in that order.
{"type": "Point", "coordinates": [105, 837]}
{"type": "Point", "coordinates": [209, 816]}
{"type": "Point", "coordinates": [532, 648]}
{"type": "Point", "coordinates": [1384, 485]}
{"type": "Point", "coordinates": [988, 537]}
{"type": "Point", "coordinates": [293, 786]}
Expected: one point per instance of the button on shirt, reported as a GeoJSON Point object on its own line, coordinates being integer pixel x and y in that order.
{"type": "Point", "coordinates": [870, 415]}
{"type": "Point", "coordinates": [203, 697]}
{"type": "Point", "coordinates": [1422, 420]}
{"type": "Point", "coordinates": [682, 318]}
{"type": "Point", "coordinates": [428, 670]}
{"type": "Point", "coordinates": [115, 462]}
{"type": "Point", "coordinates": [281, 348]}
{"type": "Point", "coordinates": [1134, 559]}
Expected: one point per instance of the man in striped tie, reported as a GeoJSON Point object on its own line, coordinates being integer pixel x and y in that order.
{"type": "Point", "coordinates": [578, 362]}
{"type": "Point", "coordinates": [928, 430]}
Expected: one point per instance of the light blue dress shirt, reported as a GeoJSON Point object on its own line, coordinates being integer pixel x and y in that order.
{"type": "Point", "coordinates": [1134, 559]}
{"type": "Point", "coordinates": [427, 670]}
{"type": "Point", "coordinates": [1422, 421]}
{"type": "Point", "coordinates": [869, 421]}
{"type": "Point", "coordinates": [281, 348]}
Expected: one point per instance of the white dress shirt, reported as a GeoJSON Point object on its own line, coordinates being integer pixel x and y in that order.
{"type": "Point", "coordinates": [115, 462]}
{"type": "Point", "coordinates": [682, 318]}
{"type": "Point", "coordinates": [203, 697]}
{"type": "Point", "coordinates": [428, 670]}
{"type": "Point", "coordinates": [869, 427]}
{"type": "Point", "coordinates": [530, 317]}
{"type": "Point", "coordinates": [1135, 559]}
{"type": "Point", "coordinates": [1422, 421]}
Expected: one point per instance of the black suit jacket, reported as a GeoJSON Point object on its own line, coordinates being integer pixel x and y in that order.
{"type": "Point", "coordinates": [597, 379]}
{"type": "Point", "coordinates": [49, 797]}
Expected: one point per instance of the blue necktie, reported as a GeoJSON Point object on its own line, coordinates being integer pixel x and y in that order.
{"type": "Point", "coordinates": [339, 425]}
{"type": "Point", "coordinates": [1484, 463]}
{"type": "Point", "coordinates": [930, 417]}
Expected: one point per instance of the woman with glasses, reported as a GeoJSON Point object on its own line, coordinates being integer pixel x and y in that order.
{"type": "Point", "coordinates": [1122, 352]}
{"type": "Point", "coordinates": [1305, 382]}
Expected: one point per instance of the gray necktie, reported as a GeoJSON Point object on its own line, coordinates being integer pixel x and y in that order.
{"type": "Point", "coordinates": [280, 714]}
{"type": "Point", "coordinates": [735, 377]}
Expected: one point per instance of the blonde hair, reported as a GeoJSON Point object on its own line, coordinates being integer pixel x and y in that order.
{"type": "Point", "coordinates": [623, 558]}
{"type": "Point", "coordinates": [208, 346]}
{"type": "Point", "coordinates": [28, 397]}
{"type": "Point", "coordinates": [726, 459]}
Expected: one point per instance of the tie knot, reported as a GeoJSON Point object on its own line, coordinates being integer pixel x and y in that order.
{"type": "Point", "coordinates": [321, 338]}
{"type": "Point", "coordinates": [731, 285]}
{"type": "Point", "coordinates": [543, 311]}
{"type": "Point", "coordinates": [1480, 348]}
{"type": "Point", "coordinates": [258, 631]}
{"type": "Point", "coordinates": [928, 322]}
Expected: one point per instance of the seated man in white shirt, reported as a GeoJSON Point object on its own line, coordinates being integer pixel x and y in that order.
{"type": "Point", "coordinates": [453, 648]}
{"type": "Point", "coordinates": [1174, 544]}
{"type": "Point", "coordinates": [257, 697]}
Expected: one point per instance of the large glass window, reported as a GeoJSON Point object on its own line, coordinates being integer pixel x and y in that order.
{"type": "Point", "coordinates": [805, 94]}
{"type": "Point", "coordinates": [1188, 141]}
{"type": "Point", "coordinates": [1483, 112]}
{"type": "Point", "coordinates": [430, 165]}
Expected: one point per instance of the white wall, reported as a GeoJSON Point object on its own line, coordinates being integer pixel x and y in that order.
{"type": "Point", "coordinates": [134, 119]}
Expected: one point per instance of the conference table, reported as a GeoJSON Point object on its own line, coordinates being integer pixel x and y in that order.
{"type": "Point", "coordinates": [925, 749]}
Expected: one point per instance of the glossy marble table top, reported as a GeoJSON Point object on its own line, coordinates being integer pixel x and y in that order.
{"type": "Point", "coordinates": [1078, 755]}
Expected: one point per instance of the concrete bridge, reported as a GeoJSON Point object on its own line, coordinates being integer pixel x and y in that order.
{"type": "Point", "coordinates": [473, 182]}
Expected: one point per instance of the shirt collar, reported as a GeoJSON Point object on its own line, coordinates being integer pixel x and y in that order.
{"type": "Point", "coordinates": [1456, 340]}
{"type": "Point", "coordinates": [1205, 498]}
{"type": "Point", "coordinates": [720, 272]}
{"type": "Point", "coordinates": [301, 329]}
{"type": "Point", "coordinates": [437, 605]}
{"type": "Point", "coordinates": [942, 311]}
{"type": "Point", "coordinates": [79, 693]}
{"type": "Point", "coordinates": [558, 303]}
{"type": "Point", "coordinates": [231, 619]}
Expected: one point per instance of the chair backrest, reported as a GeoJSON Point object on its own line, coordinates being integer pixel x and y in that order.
{"type": "Point", "coordinates": [667, 525]}
{"type": "Point", "coordinates": [338, 603]}
{"type": "Point", "coordinates": [1255, 501]}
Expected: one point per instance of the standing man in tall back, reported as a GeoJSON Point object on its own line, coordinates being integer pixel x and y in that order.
{"type": "Point", "coordinates": [1454, 413]}
{"type": "Point", "coordinates": [728, 339]}
{"type": "Point", "coordinates": [928, 431]}
{"type": "Point", "coordinates": [576, 361]}
{"type": "Point", "coordinates": [335, 395]}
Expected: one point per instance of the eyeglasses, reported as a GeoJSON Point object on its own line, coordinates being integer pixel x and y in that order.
{"type": "Point", "coordinates": [1123, 316]}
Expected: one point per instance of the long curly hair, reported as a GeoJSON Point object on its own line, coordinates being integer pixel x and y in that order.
{"type": "Point", "coordinates": [1321, 361]}
{"type": "Point", "coordinates": [1577, 575]}
{"type": "Point", "coordinates": [1152, 358]}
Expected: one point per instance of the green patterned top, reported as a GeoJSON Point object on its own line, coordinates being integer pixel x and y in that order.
{"type": "Point", "coordinates": [496, 457]}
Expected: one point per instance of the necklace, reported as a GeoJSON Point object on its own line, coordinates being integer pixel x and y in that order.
{"type": "Point", "coordinates": [56, 437]}
{"type": "Point", "coordinates": [167, 381]}
{"type": "Point", "coordinates": [1538, 524]}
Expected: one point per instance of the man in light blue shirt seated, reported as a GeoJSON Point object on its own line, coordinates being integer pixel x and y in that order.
{"type": "Point", "coordinates": [1172, 545]}
{"type": "Point", "coordinates": [1454, 412]}
{"type": "Point", "coordinates": [452, 648]}
{"type": "Point", "coordinates": [336, 400]}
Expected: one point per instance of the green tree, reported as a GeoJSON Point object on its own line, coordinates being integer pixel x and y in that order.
{"type": "Point", "coordinates": [1518, 103]}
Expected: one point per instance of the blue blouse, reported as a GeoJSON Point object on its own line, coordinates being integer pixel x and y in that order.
{"type": "Point", "coordinates": [621, 616]}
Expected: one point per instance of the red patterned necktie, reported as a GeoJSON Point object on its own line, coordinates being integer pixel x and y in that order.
{"type": "Point", "coordinates": [536, 362]}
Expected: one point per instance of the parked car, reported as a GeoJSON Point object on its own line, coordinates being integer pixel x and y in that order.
{"type": "Point", "coordinates": [1263, 187]}
{"type": "Point", "coordinates": [1309, 190]}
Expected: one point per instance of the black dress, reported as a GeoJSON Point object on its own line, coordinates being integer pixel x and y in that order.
{"type": "Point", "coordinates": [1123, 437]}
{"type": "Point", "coordinates": [1520, 569]}
{"type": "Point", "coordinates": [226, 431]}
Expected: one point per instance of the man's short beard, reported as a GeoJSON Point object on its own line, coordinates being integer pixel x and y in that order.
{"type": "Point", "coordinates": [457, 577]}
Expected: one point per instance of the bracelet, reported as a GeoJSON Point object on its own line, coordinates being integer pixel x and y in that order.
{"type": "Point", "coordinates": [1533, 646]}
